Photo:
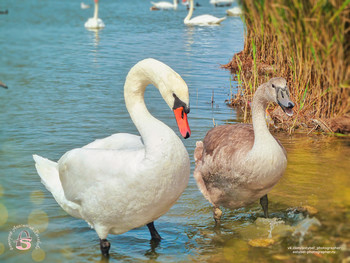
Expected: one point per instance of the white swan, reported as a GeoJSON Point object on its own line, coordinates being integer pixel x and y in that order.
{"type": "Point", "coordinates": [221, 2]}
{"type": "Point", "coordinates": [202, 20]}
{"type": "Point", "coordinates": [238, 164]}
{"type": "Point", "coordinates": [84, 6]}
{"type": "Point", "coordinates": [95, 22]}
{"type": "Point", "coordinates": [164, 5]}
{"type": "Point", "coordinates": [126, 181]}
{"type": "Point", "coordinates": [234, 11]}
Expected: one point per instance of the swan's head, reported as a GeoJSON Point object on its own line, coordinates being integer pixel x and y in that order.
{"type": "Point", "coordinates": [171, 86]}
{"type": "Point", "coordinates": [176, 96]}
{"type": "Point", "coordinates": [278, 92]}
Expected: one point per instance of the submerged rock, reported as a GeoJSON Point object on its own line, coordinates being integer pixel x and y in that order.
{"type": "Point", "coordinates": [261, 242]}
{"type": "Point", "coordinates": [308, 209]}
{"type": "Point", "coordinates": [265, 228]}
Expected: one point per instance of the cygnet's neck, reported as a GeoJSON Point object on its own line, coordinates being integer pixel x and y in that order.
{"type": "Point", "coordinates": [262, 134]}
{"type": "Point", "coordinates": [175, 4]}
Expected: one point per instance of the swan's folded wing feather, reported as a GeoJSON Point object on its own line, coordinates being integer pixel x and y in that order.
{"type": "Point", "coordinates": [206, 19]}
{"type": "Point", "coordinates": [85, 171]}
{"type": "Point", "coordinates": [118, 141]}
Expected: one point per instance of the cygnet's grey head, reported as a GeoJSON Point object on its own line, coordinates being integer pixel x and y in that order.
{"type": "Point", "coordinates": [278, 92]}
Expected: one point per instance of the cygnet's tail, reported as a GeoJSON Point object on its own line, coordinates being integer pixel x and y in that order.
{"type": "Point", "coordinates": [48, 172]}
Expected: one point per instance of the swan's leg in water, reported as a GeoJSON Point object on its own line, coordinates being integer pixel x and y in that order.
{"type": "Point", "coordinates": [217, 215]}
{"type": "Point", "coordinates": [105, 246]}
{"type": "Point", "coordinates": [264, 204]}
{"type": "Point", "coordinates": [154, 234]}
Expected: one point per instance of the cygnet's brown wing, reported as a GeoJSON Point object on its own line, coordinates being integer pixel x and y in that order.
{"type": "Point", "coordinates": [232, 141]}
{"type": "Point", "coordinates": [228, 140]}
{"type": "Point", "coordinates": [220, 163]}
{"type": "Point", "coordinates": [217, 155]}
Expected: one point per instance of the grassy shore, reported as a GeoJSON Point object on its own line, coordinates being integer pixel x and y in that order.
{"type": "Point", "coordinates": [308, 43]}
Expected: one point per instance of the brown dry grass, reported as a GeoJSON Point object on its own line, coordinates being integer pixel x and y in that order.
{"type": "Point", "coordinates": [308, 43]}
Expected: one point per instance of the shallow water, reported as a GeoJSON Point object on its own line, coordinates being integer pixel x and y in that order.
{"type": "Point", "coordinates": [65, 90]}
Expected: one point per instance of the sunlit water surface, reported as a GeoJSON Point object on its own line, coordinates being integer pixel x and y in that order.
{"type": "Point", "coordinates": [66, 90]}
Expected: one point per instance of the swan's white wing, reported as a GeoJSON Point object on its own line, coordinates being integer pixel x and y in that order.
{"type": "Point", "coordinates": [221, 1]}
{"type": "Point", "coordinates": [235, 11]}
{"type": "Point", "coordinates": [163, 5]}
{"type": "Point", "coordinates": [94, 23]}
{"type": "Point", "coordinates": [87, 173]}
{"type": "Point", "coordinates": [119, 141]}
{"type": "Point", "coordinates": [206, 20]}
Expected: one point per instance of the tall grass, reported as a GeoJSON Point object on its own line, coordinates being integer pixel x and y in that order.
{"type": "Point", "coordinates": [308, 43]}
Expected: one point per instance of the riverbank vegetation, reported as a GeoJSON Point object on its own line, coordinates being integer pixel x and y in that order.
{"type": "Point", "coordinates": [308, 43]}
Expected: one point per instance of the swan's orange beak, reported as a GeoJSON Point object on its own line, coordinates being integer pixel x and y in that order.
{"type": "Point", "coordinates": [182, 123]}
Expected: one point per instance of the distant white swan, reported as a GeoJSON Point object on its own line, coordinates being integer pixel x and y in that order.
{"type": "Point", "coordinates": [95, 22]}
{"type": "Point", "coordinates": [202, 20]}
{"type": "Point", "coordinates": [164, 5]}
{"type": "Point", "coordinates": [84, 6]}
{"type": "Point", "coordinates": [234, 11]}
{"type": "Point", "coordinates": [221, 2]}
{"type": "Point", "coordinates": [126, 181]}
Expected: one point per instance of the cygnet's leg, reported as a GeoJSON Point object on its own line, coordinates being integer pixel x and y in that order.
{"type": "Point", "coordinates": [105, 246]}
{"type": "Point", "coordinates": [154, 234]}
{"type": "Point", "coordinates": [264, 204]}
{"type": "Point", "coordinates": [217, 215]}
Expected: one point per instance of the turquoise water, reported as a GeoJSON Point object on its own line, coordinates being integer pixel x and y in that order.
{"type": "Point", "coordinates": [66, 90]}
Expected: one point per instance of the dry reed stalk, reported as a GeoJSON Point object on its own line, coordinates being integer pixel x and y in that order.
{"type": "Point", "coordinates": [305, 41]}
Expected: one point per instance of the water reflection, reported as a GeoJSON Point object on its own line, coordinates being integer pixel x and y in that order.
{"type": "Point", "coordinates": [95, 38]}
{"type": "Point", "coordinates": [152, 253]}
{"type": "Point", "coordinates": [189, 38]}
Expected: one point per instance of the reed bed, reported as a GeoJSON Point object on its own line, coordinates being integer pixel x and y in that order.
{"type": "Point", "coordinates": [308, 43]}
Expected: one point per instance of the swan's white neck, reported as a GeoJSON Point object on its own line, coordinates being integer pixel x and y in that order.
{"type": "Point", "coordinates": [175, 4]}
{"type": "Point", "coordinates": [190, 12]}
{"type": "Point", "coordinates": [152, 131]}
{"type": "Point", "coordinates": [96, 10]}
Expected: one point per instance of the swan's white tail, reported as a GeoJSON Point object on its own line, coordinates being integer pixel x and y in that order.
{"type": "Point", "coordinates": [48, 172]}
{"type": "Point", "coordinates": [221, 19]}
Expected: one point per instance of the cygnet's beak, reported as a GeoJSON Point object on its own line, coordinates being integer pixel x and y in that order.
{"type": "Point", "coordinates": [285, 102]}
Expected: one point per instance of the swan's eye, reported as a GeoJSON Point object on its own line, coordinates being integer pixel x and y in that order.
{"type": "Point", "coordinates": [273, 85]}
